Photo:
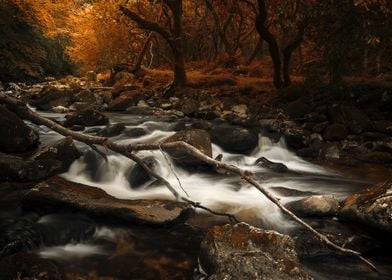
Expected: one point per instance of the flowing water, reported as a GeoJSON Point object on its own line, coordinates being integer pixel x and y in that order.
{"type": "Point", "coordinates": [219, 192]}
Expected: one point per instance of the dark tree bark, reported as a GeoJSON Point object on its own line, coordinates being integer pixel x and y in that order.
{"type": "Point", "coordinates": [142, 53]}
{"type": "Point", "coordinates": [273, 47]}
{"type": "Point", "coordinates": [174, 38]}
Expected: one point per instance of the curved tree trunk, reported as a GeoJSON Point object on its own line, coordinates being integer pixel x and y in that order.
{"type": "Point", "coordinates": [174, 38]}
{"type": "Point", "coordinates": [273, 47]}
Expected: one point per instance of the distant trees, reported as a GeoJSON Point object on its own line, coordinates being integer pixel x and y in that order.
{"type": "Point", "coordinates": [339, 37]}
{"type": "Point", "coordinates": [359, 29]}
{"type": "Point", "coordinates": [173, 36]}
{"type": "Point", "coordinates": [281, 58]}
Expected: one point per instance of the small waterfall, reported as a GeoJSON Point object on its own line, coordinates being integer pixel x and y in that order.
{"type": "Point", "coordinates": [221, 193]}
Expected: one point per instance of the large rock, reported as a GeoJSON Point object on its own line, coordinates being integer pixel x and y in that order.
{"type": "Point", "coordinates": [16, 169]}
{"type": "Point", "coordinates": [372, 207]}
{"type": "Point", "coordinates": [127, 99]}
{"type": "Point", "coordinates": [112, 130]}
{"type": "Point", "coordinates": [87, 117]}
{"type": "Point", "coordinates": [63, 150]}
{"type": "Point", "coordinates": [51, 97]}
{"type": "Point", "coordinates": [198, 138]}
{"type": "Point", "coordinates": [57, 194]}
{"type": "Point", "coordinates": [16, 136]}
{"type": "Point", "coordinates": [86, 96]}
{"type": "Point", "coordinates": [315, 206]}
{"type": "Point", "coordinates": [234, 138]}
{"type": "Point", "coordinates": [244, 252]}
{"type": "Point", "coordinates": [273, 166]}
{"type": "Point", "coordinates": [138, 175]}
{"type": "Point", "coordinates": [296, 138]}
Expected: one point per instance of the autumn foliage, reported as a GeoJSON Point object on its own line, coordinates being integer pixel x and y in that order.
{"type": "Point", "coordinates": [329, 37]}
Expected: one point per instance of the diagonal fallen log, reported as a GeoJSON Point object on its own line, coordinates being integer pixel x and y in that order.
{"type": "Point", "coordinates": [129, 150]}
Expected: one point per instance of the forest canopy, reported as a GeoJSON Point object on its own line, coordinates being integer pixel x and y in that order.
{"type": "Point", "coordinates": [331, 37]}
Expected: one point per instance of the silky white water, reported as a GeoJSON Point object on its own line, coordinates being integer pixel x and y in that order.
{"type": "Point", "coordinates": [221, 193]}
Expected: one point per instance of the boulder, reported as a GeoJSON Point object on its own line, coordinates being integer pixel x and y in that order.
{"type": "Point", "coordinates": [296, 138]}
{"type": "Point", "coordinates": [16, 169]}
{"type": "Point", "coordinates": [198, 138]}
{"type": "Point", "coordinates": [112, 130]}
{"type": "Point", "coordinates": [244, 252]}
{"type": "Point", "coordinates": [335, 132]}
{"type": "Point", "coordinates": [57, 194]}
{"type": "Point", "coordinates": [138, 176]}
{"type": "Point", "coordinates": [188, 106]}
{"type": "Point", "coordinates": [273, 166]}
{"type": "Point", "coordinates": [86, 96]}
{"type": "Point", "coordinates": [63, 150]}
{"type": "Point", "coordinates": [51, 97]}
{"type": "Point", "coordinates": [371, 207]}
{"type": "Point", "coordinates": [87, 117]}
{"type": "Point", "coordinates": [93, 162]}
{"type": "Point", "coordinates": [16, 135]}
{"type": "Point", "coordinates": [127, 99]}
{"type": "Point", "coordinates": [314, 206]}
{"type": "Point", "coordinates": [234, 138]}
{"type": "Point", "coordinates": [136, 132]}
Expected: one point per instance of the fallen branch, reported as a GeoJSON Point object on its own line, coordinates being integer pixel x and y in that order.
{"type": "Point", "coordinates": [22, 111]}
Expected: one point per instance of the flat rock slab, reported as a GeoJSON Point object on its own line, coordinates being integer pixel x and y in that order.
{"type": "Point", "coordinates": [57, 194]}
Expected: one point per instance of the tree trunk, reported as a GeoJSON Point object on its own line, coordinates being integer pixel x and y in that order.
{"type": "Point", "coordinates": [180, 78]}
{"type": "Point", "coordinates": [271, 41]}
{"type": "Point", "coordinates": [143, 52]}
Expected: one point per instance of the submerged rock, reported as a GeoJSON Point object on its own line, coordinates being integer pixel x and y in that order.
{"type": "Point", "coordinates": [244, 252]}
{"type": "Point", "coordinates": [372, 207]}
{"type": "Point", "coordinates": [315, 206]}
{"type": "Point", "coordinates": [198, 138]}
{"type": "Point", "coordinates": [87, 117]}
{"type": "Point", "coordinates": [16, 136]}
{"type": "Point", "coordinates": [274, 166]}
{"type": "Point", "coordinates": [138, 175]}
{"type": "Point", "coordinates": [63, 150]}
{"type": "Point", "coordinates": [57, 194]}
{"type": "Point", "coordinates": [112, 130]}
{"type": "Point", "coordinates": [234, 138]}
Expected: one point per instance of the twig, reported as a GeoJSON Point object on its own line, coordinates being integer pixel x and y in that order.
{"type": "Point", "coordinates": [172, 170]}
